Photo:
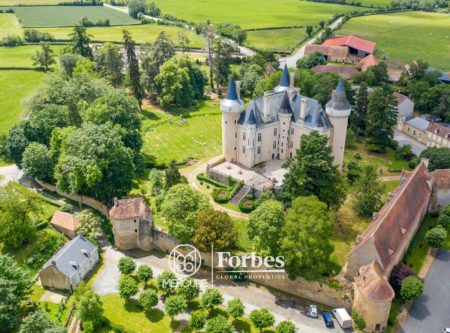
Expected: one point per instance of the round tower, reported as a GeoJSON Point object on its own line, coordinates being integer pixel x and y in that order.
{"type": "Point", "coordinates": [338, 110]}
{"type": "Point", "coordinates": [284, 84]}
{"type": "Point", "coordinates": [231, 107]}
{"type": "Point", "coordinates": [285, 116]}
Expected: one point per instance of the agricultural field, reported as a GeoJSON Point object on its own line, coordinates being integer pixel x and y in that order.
{"type": "Point", "coordinates": [16, 87]}
{"type": "Point", "coordinates": [66, 16]}
{"type": "Point", "coordinates": [31, 2]}
{"type": "Point", "coordinates": [192, 133]}
{"type": "Point", "coordinates": [406, 36]}
{"type": "Point", "coordinates": [20, 56]}
{"type": "Point", "coordinates": [141, 33]}
{"type": "Point", "coordinates": [276, 39]}
{"type": "Point", "coordinates": [253, 14]}
{"type": "Point", "coordinates": [9, 25]}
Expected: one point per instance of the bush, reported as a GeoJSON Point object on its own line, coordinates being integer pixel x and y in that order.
{"type": "Point", "coordinates": [211, 181]}
{"type": "Point", "coordinates": [436, 237]}
{"type": "Point", "coordinates": [36, 36]}
{"type": "Point", "coordinates": [414, 162]}
{"type": "Point", "coordinates": [11, 41]}
{"type": "Point", "coordinates": [358, 320]}
{"type": "Point", "coordinates": [220, 195]}
{"type": "Point", "coordinates": [411, 288]}
{"type": "Point", "coordinates": [444, 220]}
{"type": "Point", "coordinates": [246, 205]}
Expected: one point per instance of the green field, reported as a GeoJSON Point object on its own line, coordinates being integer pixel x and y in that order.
{"type": "Point", "coordinates": [16, 86]}
{"type": "Point", "coordinates": [20, 56]}
{"type": "Point", "coordinates": [31, 2]}
{"type": "Point", "coordinates": [406, 36]}
{"type": "Point", "coordinates": [66, 16]}
{"type": "Point", "coordinates": [376, 3]}
{"type": "Point", "coordinates": [276, 39]}
{"type": "Point", "coordinates": [9, 25]}
{"type": "Point", "coordinates": [141, 33]}
{"type": "Point", "coordinates": [199, 137]}
{"type": "Point", "coordinates": [254, 13]}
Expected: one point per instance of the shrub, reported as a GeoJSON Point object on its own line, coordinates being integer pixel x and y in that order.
{"type": "Point", "coordinates": [126, 265]}
{"type": "Point", "coordinates": [220, 195]}
{"type": "Point", "coordinates": [436, 237]}
{"type": "Point", "coordinates": [358, 320]}
{"type": "Point", "coordinates": [235, 189]}
{"type": "Point", "coordinates": [11, 41]}
{"type": "Point", "coordinates": [444, 220]}
{"type": "Point", "coordinates": [411, 288]}
{"type": "Point", "coordinates": [35, 36]}
{"type": "Point", "coordinates": [246, 205]}
{"type": "Point", "coordinates": [211, 181]}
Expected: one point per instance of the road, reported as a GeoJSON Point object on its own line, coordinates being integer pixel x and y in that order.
{"type": "Point", "coordinates": [431, 311]}
{"type": "Point", "coordinates": [282, 306]}
{"type": "Point", "coordinates": [404, 140]}
{"type": "Point", "coordinates": [291, 61]}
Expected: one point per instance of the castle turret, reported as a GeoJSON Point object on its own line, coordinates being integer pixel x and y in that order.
{"type": "Point", "coordinates": [285, 115]}
{"type": "Point", "coordinates": [338, 110]}
{"type": "Point", "coordinates": [284, 84]}
{"type": "Point", "coordinates": [231, 107]}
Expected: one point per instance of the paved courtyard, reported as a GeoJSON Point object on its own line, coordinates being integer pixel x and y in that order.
{"type": "Point", "coordinates": [403, 140]}
{"type": "Point", "coordinates": [431, 311]}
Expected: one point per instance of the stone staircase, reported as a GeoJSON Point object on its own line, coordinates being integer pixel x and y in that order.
{"type": "Point", "coordinates": [241, 194]}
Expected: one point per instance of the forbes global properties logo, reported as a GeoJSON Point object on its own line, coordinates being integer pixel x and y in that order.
{"type": "Point", "coordinates": [185, 259]}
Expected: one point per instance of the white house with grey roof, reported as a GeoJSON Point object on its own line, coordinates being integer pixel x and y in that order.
{"type": "Point", "coordinates": [70, 265]}
{"type": "Point", "coordinates": [271, 126]}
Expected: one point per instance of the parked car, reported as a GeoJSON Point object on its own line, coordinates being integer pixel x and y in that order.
{"type": "Point", "coordinates": [343, 318]}
{"type": "Point", "coordinates": [327, 319]}
{"type": "Point", "coordinates": [312, 311]}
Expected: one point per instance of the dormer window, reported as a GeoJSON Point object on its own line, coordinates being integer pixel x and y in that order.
{"type": "Point", "coordinates": [74, 264]}
{"type": "Point", "coordinates": [85, 252]}
{"type": "Point", "coordinates": [437, 130]}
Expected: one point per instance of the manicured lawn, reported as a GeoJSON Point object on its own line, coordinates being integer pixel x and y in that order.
{"type": "Point", "coordinates": [182, 134]}
{"type": "Point", "coordinates": [276, 39]}
{"type": "Point", "coordinates": [244, 243]}
{"type": "Point", "coordinates": [9, 25]}
{"type": "Point", "coordinates": [16, 87]}
{"type": "Point", "coordinates": [253, 14]}
{"type": "Point", "coordinates": [406, 36]}
{"type": "Point", "coordinates": [21, 56]}
{"type": "Point", "coordinates": [141, 33]}
{"type": "Point", "coordinates": [66, 16]}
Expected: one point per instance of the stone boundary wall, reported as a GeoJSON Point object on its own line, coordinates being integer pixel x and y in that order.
{"type": "Point", "coordinates": [322, 293]}
{"type": "Point", "coordinates": [88, 201]}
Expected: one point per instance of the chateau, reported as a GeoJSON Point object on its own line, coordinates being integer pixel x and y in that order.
{"type": "Point", "coordinates": [271, 126]}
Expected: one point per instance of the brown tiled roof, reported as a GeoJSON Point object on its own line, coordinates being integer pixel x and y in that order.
{"type": "Point", "coordinates": [331, 51]}
{"type": "Point", "coordinates": [400, 97]}
{"type": "Point", "coordinates": [394, 225]}
{"type": "Point", "coordinates": [344, 71]}
{"type": "Point", "coordinates": [353, 42]}
{"type": "Point", "coordinates": [372, 283]}
{"type": "Point", "coordinates": [439, 130]}
{"type": "Point", "coordinates": [367, 62]}
{"type": "Point", "coordinates": [441, 179]}
{"type": "Point", "coordinates": [65, 220]}
{"type": "Point", "coordinates": [128, 208]}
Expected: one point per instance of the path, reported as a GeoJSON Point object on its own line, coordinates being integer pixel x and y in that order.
{"type": "Point", "coordinates": [291, 61]}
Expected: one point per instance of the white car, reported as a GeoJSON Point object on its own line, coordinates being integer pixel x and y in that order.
{"type": "Point", "coordinates": [446, 330]}
{"type": "Point", "coordinates": [312, 311]}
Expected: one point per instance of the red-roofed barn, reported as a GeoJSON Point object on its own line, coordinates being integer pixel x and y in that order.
{"type": "Point", "coordinates": [357, 46]}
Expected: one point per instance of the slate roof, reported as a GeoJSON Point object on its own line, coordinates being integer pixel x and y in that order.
{"type": "Point", "coordinates": [353, 42]}
{"type": "Point", "coordinates": [65, 220]}
{"type": "Point", "coordinates": [128, 208]}
{"type": "Point", "coordinates": [418, 123]}
{"type": "Point", "coordinates": [284, 82]}
{"type": "Point", "coordinates": [77, 251]}
{"type": "Point", "coordinates": [443, 78]}
{"type": "Point", "coordinates": [339, 98]}
{"type": "Point", "coordinates": [231, 93]}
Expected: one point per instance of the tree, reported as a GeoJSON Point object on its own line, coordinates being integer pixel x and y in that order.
{"type": "Point", "coordinates": [15, 285]}
{"type": "Point", "coordinates": [264, 227]}
{"type": "Point", "coordinates": [183, 41]}
{"type": "Point", "coordinates": [126, 265]}
{"type": "Point", "coordinates": [89, 307]}
{"type": "Point", "coordinates": [153, 10]}
{"type": "Point", "coordinates": [44, 57]}
{"type": "Point", "coordinates": [222, 58]}
{"type": "Point", "coordinates": [214, 228]}
{"type": "Point", "coordinates": [180, 207]}
{"type": "Point", "coordinates": [437, 236]}
{"type": "Point", "coordinates": [444, 220]}
{"type": "Point", "coordinates": [136, 7]}
{"type": "Point", "coordinates": [166, 282]}
{"type": "Point", "coordinates": [209, 33]}
{"type": "Point", "coordinates": [311, 172]}
{"type": "Point", "coordinates": [235, 308]}
{"type": "Point", "coordinates": [197, 320]}
{"type": "Point", "coordinates": [175, 305]}
{"type": "Point", "coordinates": [127, 287]}
{"type": "Point", "coordinates": [311, 61]}
{"type": "Point", "coordinates": [90, 224]}
{"type": "Point", "coordinates": [144, 273]}
{"type": "Point", "coordinates": [172, 175]}
{"type": "Point", "coordinates": [357, 119]}
{"type": "Point", "coordinates": [321, 24]}
{"type": "Point", "coordinates": [80, 40]}
{"type": "Point", "coordinates": [37, 163]}
{"type": "Point", "coordinates": [67, 63]}
{"type": "Point", "coordinates": [381, 118]}
{"type": "Point", "coordinates": [251, 75]}
{"type": "Point", "coordinates": [148, 299]}
{"type": "Point", "coordinates": [262, 318]}
{"type": "Point", "coordinates": [286, 326]}
{"type": "Point", "coordinates": [305, 242]}
{"type": "Point", "coordinates": [133, 68]}
{"type": "Point", "coordinates": [439, 158]}
{"type": "Point", "coordinates": [18, 209]}
{"type": "Point", "coordinates": [309, 30]}
{"type": "Point", "coordinates": [189, 289]}
{"type": "Point", "coordinates": [218, 324]}
{"type": "Point", "coordinates": [411, 288]}
{"type": "Point", "coordinates": [17, 142]}
{"type": "Point", "coordinates": [211, 297]}
{"type": "Point", "coordinates": [110, 64]}
{"type": "Point", "coordinates": [399, 273]}
{"type": "Point", "coordinates": [42, 122]}
{"type": "Point", "coordinates": [38, 322]}
{"type": "Point", "coordinates": [368, 192]}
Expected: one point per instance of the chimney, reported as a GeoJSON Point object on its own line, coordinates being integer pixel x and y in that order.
{"type": "Point", "coordinates": [303, 109]}
{"type": "Point", "coordinates": [266, 106]}
{"type": "Point", "coordinates": [53, 262]}
{"type": "Point", "coordinates": [291, 85]}
{"type": "Point", "coordinates": [238, 89]}
{"type": "Point", "coordinates": [116, 202]}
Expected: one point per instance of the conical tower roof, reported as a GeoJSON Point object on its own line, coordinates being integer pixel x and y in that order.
{"type": "Point", "coordinates": [231, 93]}
{"type": "Point", "coordinates": [284, 81]}
{"type": "Point", "coordinates": [339, 100]}
{"type": "Point", "coordinates": [285, 106]}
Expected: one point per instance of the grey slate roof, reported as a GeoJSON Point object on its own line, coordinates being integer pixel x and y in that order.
{"type": "Point", "coordinates": [231, 93]}
{"type": "Point", "coordinates": [339, 98]}
{"type": "Point", "coordinates": [443, 78]}
{"type": "Point", "coordinates": [285, 106]}
{"type": "Point", "coordinates": [419, 123]}
{"type": "Point", "coordinates": [76, 251]}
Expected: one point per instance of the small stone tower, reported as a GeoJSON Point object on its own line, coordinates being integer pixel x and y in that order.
{"type": "Point", "coordinates": [285, 116]}
{"type": "Point", "coordinates": [231, 107]}
{"type": "Point", "coordinates": [338, 110]}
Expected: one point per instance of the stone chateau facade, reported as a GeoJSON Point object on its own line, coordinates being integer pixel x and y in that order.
{"type": "Point", "coordinates": [271, 126]}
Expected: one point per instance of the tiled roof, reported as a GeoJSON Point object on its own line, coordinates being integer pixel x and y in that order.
{"type": "Point", "coordinates": [331, 51]}
{"type": "Point", "coordinates": [400, 97]}
{"type": "Point", "coordinates": [439, 130]}
{"type": "Point", "coordinates": [128, 208]}
{"type": "Point", "coordinates": [419, 123]}
{"type": "Point", "coordinates": [231, 93]}
{"type": "Point", "coordinates": [65, 220]}
{"type": "Point", "coordinates": [344, 71]}
{"type": "Point", "coordinates": [372, 283]}
{"type": "Point", "coordinates": [353, 42]}
{"type": "Point", "coordinates": [441, 179]}
{"type": "Point", "coordinates": [367, 62]}
{"type": "Point", "coordinates": [72, 256]}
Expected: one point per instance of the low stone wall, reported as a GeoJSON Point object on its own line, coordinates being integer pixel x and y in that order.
{"type": "Point", "coordinates": [88, 201]}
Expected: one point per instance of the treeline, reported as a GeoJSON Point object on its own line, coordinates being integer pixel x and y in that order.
{"type": "Point", "coordinates": [426, 5]}
{"type": "Point", "coordinates": [100, 23]}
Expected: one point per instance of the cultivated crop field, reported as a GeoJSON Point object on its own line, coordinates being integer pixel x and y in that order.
{"type": "Point", "coordinates": [9, 25]}
{"type": "Point", "coordinates": [276, 39]}
{"type": "Point", "coordinates": [141, 33]}
{"type": "Point", "coordinates": [406, 36]}
{"type": "Point", "coordinates": [15, 87]}
{"type": "Point", "coordinates": [65, 16]}
{"type": "Point", "coordinates": [31, 2]}
{"type": "Point", "coordinates": [20, 56]}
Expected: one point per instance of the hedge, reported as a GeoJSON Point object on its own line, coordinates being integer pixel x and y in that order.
{"type": "Point", "coordinates": [246, 205]}
{"type": "Point", "coordinates": [204, 178]}
{"type": "Point", "coordinates": [235, 189]}
{"type": "Point", "coordinates": [221, 195]}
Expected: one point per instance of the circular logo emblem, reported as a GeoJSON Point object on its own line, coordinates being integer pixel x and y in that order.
{"type": "Point", "coordinates": [185, 259]}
